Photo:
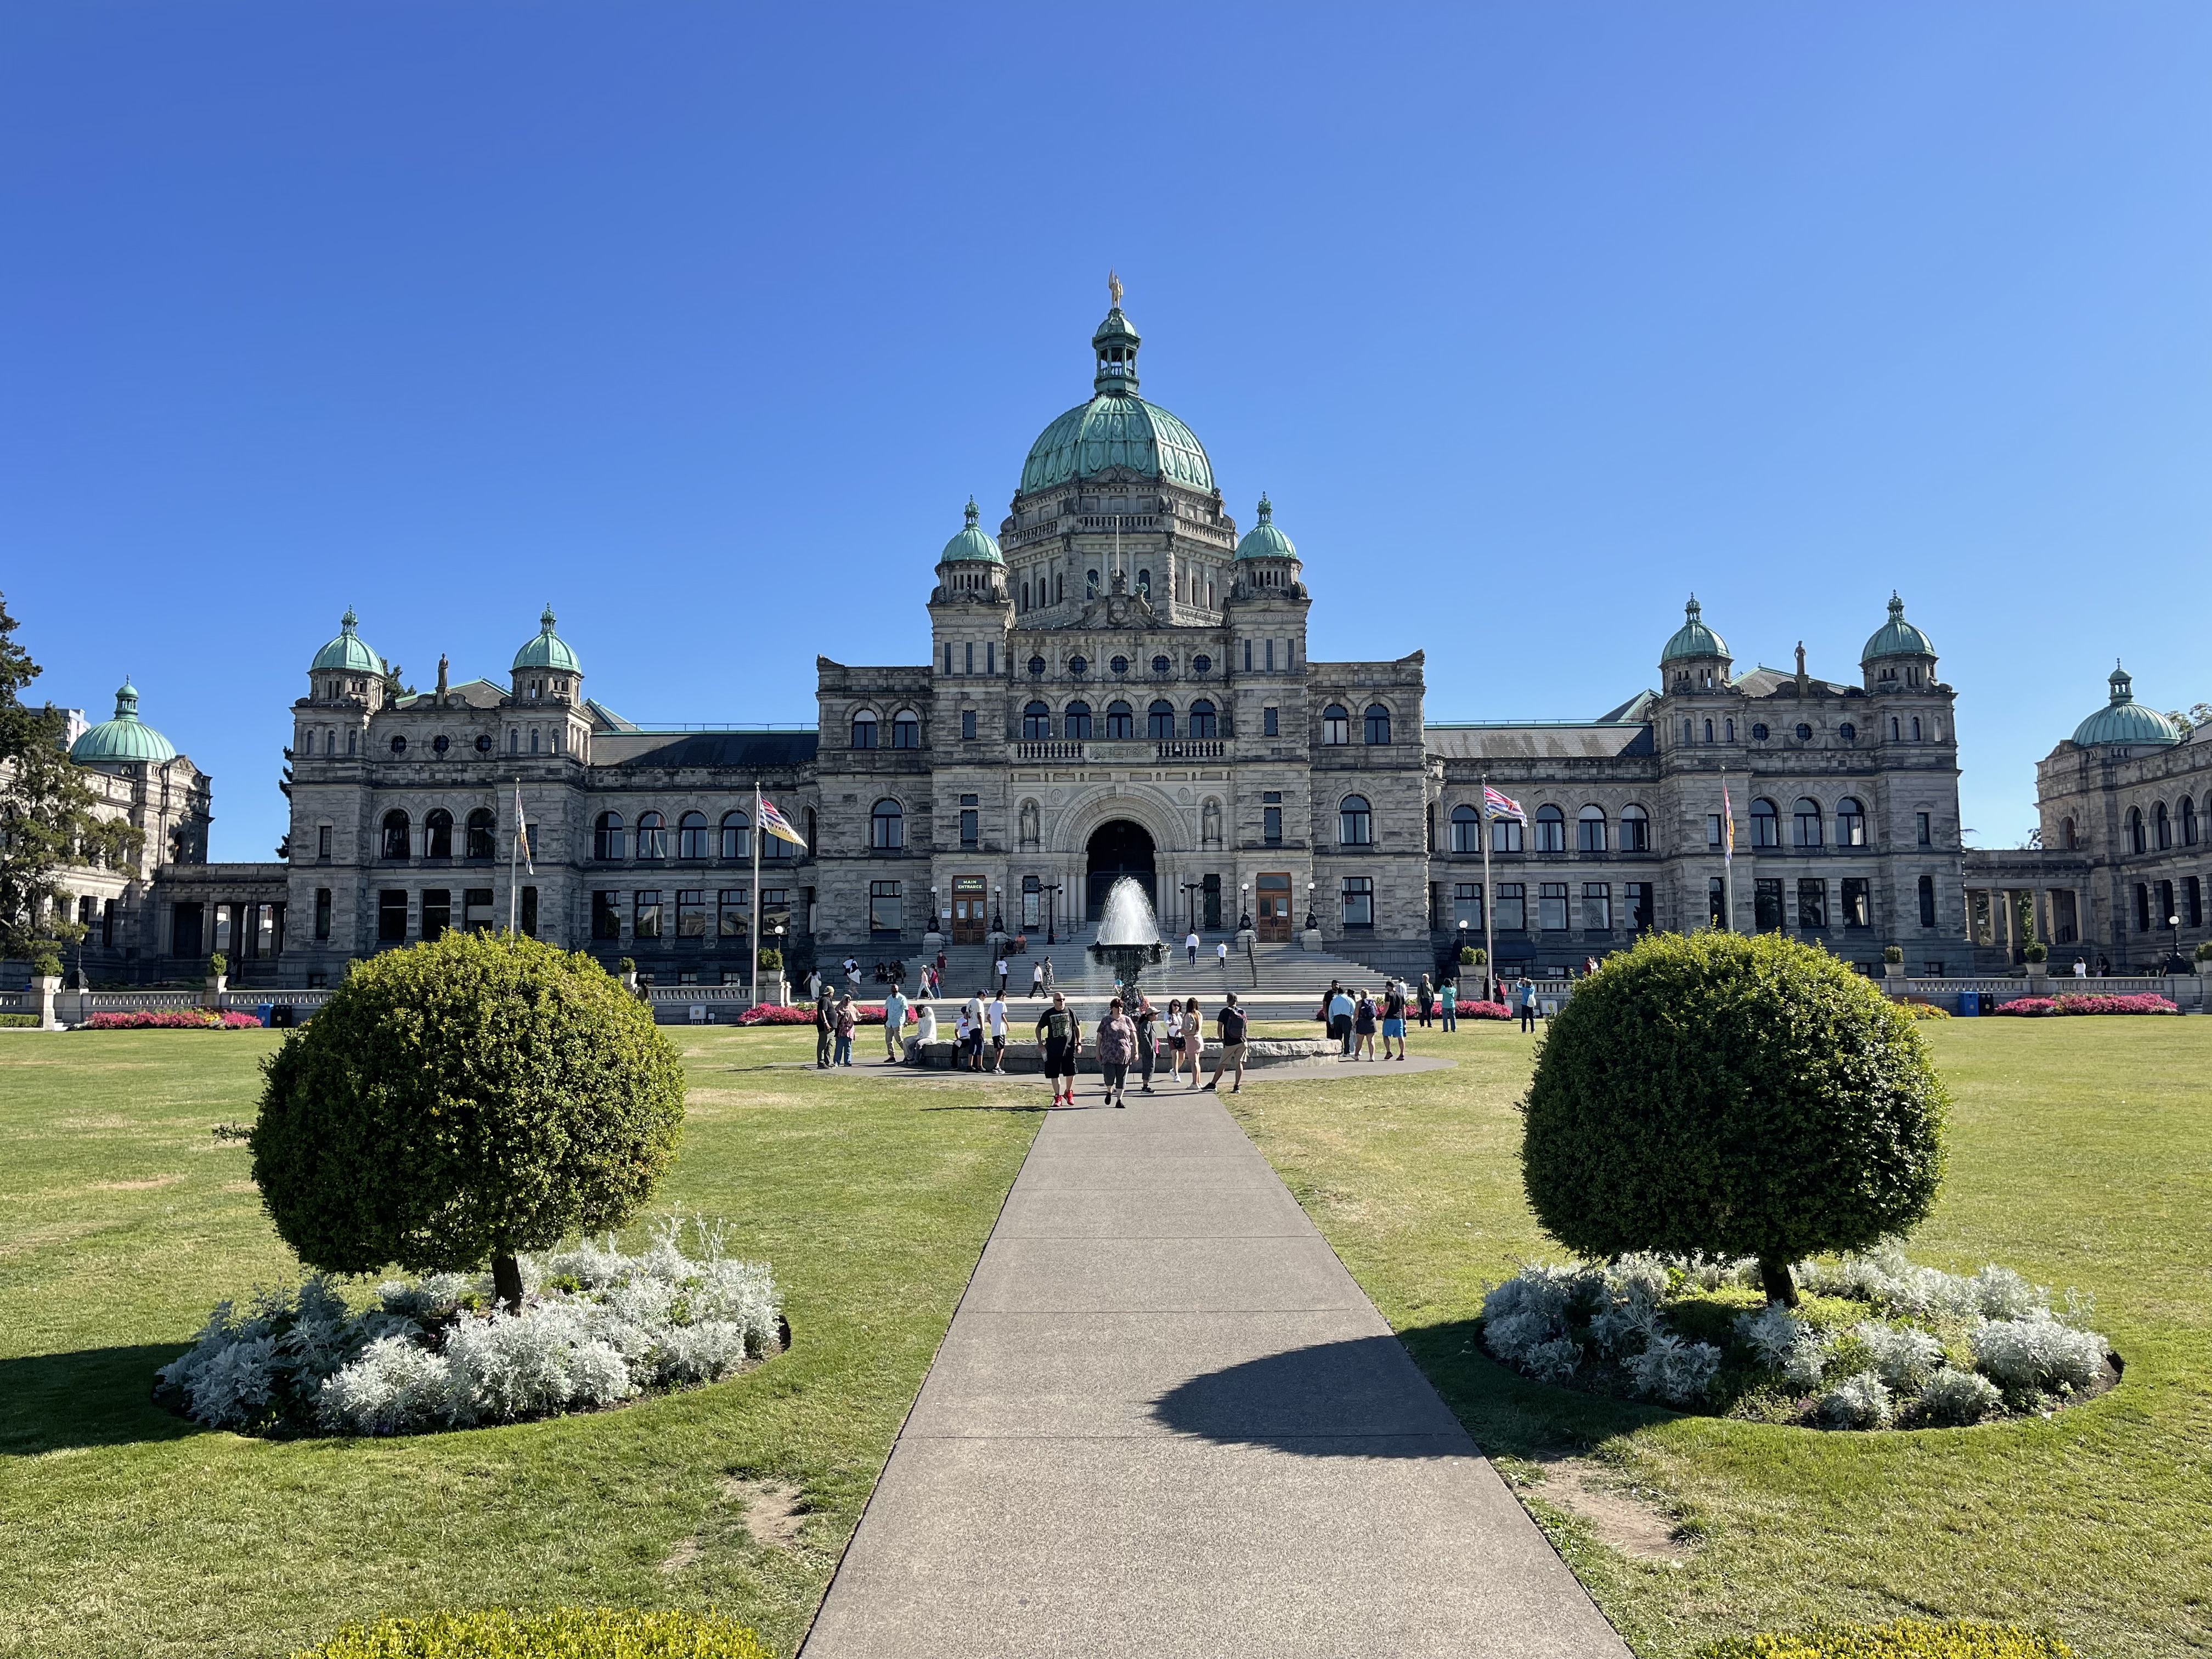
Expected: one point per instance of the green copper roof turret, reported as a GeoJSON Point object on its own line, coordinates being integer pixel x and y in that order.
{"type": "Point", "coordinates": [1263, 540]}
{"type": "Point", "coordinates": [548, 649]}
{"type": "Point", "coordinates": [2124, 721]}
{"type": "Point", "coordinates": [125, 738]}
{"type": "Point", "coordinates": [1693, 638]}
{"type": "Point", "coordinates": [349, 653]}
{"type": "Point", "coordinates": [973, 542]}
{"type": "Point", "coordinates": [1116, 430]}
{"type": "Point", "coordinates": [1897, 637]}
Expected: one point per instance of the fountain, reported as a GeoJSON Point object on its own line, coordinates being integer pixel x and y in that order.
{"type": "Point", "coordinates": [1129, 933]}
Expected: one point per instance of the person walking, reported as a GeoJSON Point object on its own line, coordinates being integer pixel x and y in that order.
{"type": "Point", "coordinates": [1393, 1019]}
{"type": "Point", "coordinates": [1340, 1011]}
{"type": "Point", "coordinates": [1191, 945]}
{"type": "Point", "coordinates": [1061, 1038]}
{"type": "Point", "coordinates": [972, 1012]}
{"type": "Point", "coordinates": [1147, 1023]}
{"type": "Point", "coordinates": [1002, 976]}
{"type": "Point", "coordinates": [994, 1019]}
{"type": "Point", "coordinates": [1447, 1004]}
{"type": "Point", "coordinates": [1232, 1026]}
{"type": "Point", "coordinates": [847, 1018]}
{"type": "Point", "coordinates": [1527, 1003]}
{"type": "Point", "coordinates": [1117, 1047]}
{"type": "Point", "coordinates": [1174, 1038]}
{"type": "Point", "coordinates": [1048, 976]}
{"type": "Point", "coordinates": [1036, 980]}
{"type": "Point", "coordinates": [895, 1007]}
{"type": "Point", "coordinates": [1425, 1001]}
{"type": "Point", "coordinates": [1193, 1040]}
{"type": "Point", "coordinates": [825, 1029]}
{"type": "Point", "coordinates": [1363, 1027]}
{"type": "Point", "coordinates": [1221, 955]}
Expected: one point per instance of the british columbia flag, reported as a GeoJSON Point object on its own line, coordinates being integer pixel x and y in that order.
{"type": "Point", "coordinates": [1502, 806]}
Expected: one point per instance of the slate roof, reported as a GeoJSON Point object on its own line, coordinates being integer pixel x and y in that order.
{"type": "Point", "coordinates": [749, 751]}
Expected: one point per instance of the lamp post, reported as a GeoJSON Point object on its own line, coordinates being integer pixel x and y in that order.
{"type": "Point", "coordinates": [998, 908]}
{"type": "Point", "coordinates": [2172, 960]}
{"type": "Point", "coordinates": [1190, 891]}
{"type": "Point", "coordinates": [1051, 912]}
{"type": "Point", "coordinates": [1245, 906]}
{"type": "Point", "coordinates": [1313, 922]}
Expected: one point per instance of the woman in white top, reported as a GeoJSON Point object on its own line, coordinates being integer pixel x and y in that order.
{"type": "Point", "coordinates": [926, 1032]}
{"type": "Point", "coordinates": [1174, 1038]}
{"type": "Point", "coordinates": [1193, 1041]}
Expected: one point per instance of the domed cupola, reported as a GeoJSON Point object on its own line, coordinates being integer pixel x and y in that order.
{"type": "Point", "coordinates": [1899, 655]}
{"type": "Point", "coordinates": [971, 566]}
{"type": "Point", "coordinates": [125, 740]}
{"type": "Point", "coordinates": [973, 542]}
{"type": "Point", "coordinates": [2124, 723]}
{"type": "Point", "coordinates": [1263, 540]}
{"type": "Point", "coordinates": [1695, 657]}
{"type": "Point", "coordinates": [1266, 559]}
{"type": "Point", "coordinates": [1116, 430]}
{"type": "Point", "coordinates": [347, 667]}
{"type": "Point", "coordinates": [545, 667]}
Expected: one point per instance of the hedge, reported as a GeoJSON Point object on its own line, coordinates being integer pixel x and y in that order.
{"type": "Point", "coordinates": [172, 1019]}
{"type": "Point", "coordinates": [564, 1633]}
{"type": "Point", "coordinates": [1908, 1638]}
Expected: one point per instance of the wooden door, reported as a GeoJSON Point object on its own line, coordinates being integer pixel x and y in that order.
{"type": "Point", "coordinates": [1272, 915]}
{"type": "Point", "coordinates": [970, 923]}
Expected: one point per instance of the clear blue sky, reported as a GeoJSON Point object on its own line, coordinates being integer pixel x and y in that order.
{"type": "Point", "coordinates": [702, 322]}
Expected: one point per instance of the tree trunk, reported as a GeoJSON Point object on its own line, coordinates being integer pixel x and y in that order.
{"type": "Point", "coordinates": [1775, 1280]}
{"type": "Point", "coordinates": [507, 1282]}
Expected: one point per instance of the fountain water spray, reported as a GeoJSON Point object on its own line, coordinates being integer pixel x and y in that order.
{"type": "Point", "coordinates": [1129, 933]}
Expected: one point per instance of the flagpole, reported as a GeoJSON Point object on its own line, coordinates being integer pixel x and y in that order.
{"type": "Point", "coordinates": [1489, 895]}
{"type": "Point", "coordinates": [513, 864]}
{"type": "Point", "coordinates": [1728, 856]}
{"type": "Point", "coordinates": [758, 832]}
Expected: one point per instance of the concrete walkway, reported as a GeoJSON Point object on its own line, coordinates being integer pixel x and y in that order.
{"type": "Point", "coordinates": [1165, 1422]}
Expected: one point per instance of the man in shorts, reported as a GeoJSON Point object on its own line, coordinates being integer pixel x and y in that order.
{"type": "Point", "coordinates": [1393, 1019]}
{"type": "Point", "coordinates": [972, 1012]}
{"type": "Point", "coordinates": [1230, 1022]}
{"type": "Point", "coordinates": [994, 1021]}
{"type": "Point", "coordinates": [895, 1006]}
{"type": "Point", "coordinates": [1061, 1039]}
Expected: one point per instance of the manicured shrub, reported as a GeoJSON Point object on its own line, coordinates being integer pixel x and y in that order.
{"type": "Point", "coordinates": [2035, 950]}
{"type": "Point", "coordinates": [1908, 1638]}
{"type": "Point", "coordinates": [1858, 1402]}
{"type": "Point", "coordinates": [1956, 1399]}
{"type": "Point", "coordinates": [471, 1097]}
{"type": "Point", "coordinates": [1732, 1096]}
{"type": "Point", "coordinates": [564, 1633]}
{"type": "Point", "coordinates": [172, 1019]}
{"type": "Point", "coordinates": [1917, 1010]}
{"type": "Point", "coordinates": [1893, 954]}
{"type": "Point", "coordinates": [2036, 1352]}
{"type": "Point", "coordinates": [45, 960]}
{"type": "Point", "coordinates": [218, 965]}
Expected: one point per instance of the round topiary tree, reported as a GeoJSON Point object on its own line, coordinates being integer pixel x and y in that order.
{"type": "Point", "coordinates": [1732, 1095]}
{"type": "Point", "coordinates": [464, 1100]}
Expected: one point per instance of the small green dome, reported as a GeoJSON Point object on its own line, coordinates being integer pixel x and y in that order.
{"type": "Point", "coordinates": [349, 653]}
{"type": "Point", "coordinates": [547, 649]}
{"type": "Point", "coordinates": [2124, 721]}
{"type": "Point", "coordinates": [971, 543]}
{"type": "Point", "coordinates": [125, 738]}
{"type": "Point", "coordinates": [1897, 637]}
{"type": "Point", "coordinates": [1693, 638]}
{"type": "Point", "coordinates": [1263, 540]}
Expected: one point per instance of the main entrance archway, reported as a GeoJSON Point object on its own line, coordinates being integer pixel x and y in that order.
{"type": "Point", "coordinates": [1117, 848]}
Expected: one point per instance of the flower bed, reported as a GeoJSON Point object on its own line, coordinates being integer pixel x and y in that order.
{"type": "Point", "coordinates": [1484, 1010]}
{"type": "Point", "coordinates": [597, 1328]}
{"type": "Point", "coordinates": [864, 1013]}
{"type": "Point", "coordinates": [172, 1019]}
{"type": "Point", "coordinates": [2037, 1007]}
{"type": "Point", "coordinates": [1878, 1344]}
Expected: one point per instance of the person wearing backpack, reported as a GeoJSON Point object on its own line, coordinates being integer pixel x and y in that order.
{"type": "Point", "coordinates": [1060, 1037]}
{"type": "Point", "coordinates": [1232, 1027]}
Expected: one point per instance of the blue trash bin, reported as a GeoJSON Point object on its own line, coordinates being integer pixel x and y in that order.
{"type": "Point", "coordinates": [262, 1011]}
{"type": "Point", "coordinates": [1970, 1004]}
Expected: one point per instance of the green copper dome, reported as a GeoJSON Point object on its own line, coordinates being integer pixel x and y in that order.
{"type": "Point", "coordinates": [548, 649]}
{"type": "Point", "coordinates": [2124, 721]}
{"type": "Point", "coordinates": [1897, 637]}
{"type": "Point", "coordinates": [1116, 429]}
{"type": "Point", "coordinates": [349, 653]}
{"type": "Point", "coordinates": [1693, 638]}
{"type": "Point", "coordinates": [125, 738]}
{"type": "Point", "coordinates": [1263, 540]}
{"type": "Point", "coordinates": [971, 543]}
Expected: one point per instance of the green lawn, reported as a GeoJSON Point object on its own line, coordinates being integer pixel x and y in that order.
{"type": "Point", "coordinates": [2081, 1154]}
{"type": "Point", "coordinates": [129, 1532]}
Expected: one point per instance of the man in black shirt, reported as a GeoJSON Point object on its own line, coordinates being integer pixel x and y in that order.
{"type": "Point", "coordinates": [1230, 1024]}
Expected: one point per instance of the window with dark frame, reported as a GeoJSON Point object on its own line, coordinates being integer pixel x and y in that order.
{"type": "Point", "coordinates": [437, 911]}
{"type": "Point", "coordinates": [1812, 904]}
{"type": "Point", "coordinates": [690, 913]}
{"type": "Point", "coordinates": [1359, 901]}
{"type": "Point", "coordinates": [1465, 829]}
{"type": "Point", "coordinates": [1597, 906]}
{"type": "Point", "coordinates": [883, 910]}
{"type": "Point", "coordinates": [645, 921]}
{"type": "Point", "coordinates": [1512, 908]}
{"type": "Point", "coordinates": [1355, 823]}
{"type": "Point", "coordinates": [1270, 722]}
{"type": "Point", "coordinates": [734, 913]}
{"type": "Point", "coordinates": [1927, 900]}
{"type": "Point", "coordinates": [1858, 901]}
{"type": "Point", "coordinates": [606, 915]}
{"type": "Point", "coordinates": [1551, 906]}
{"type": "Point", "coordinates": [482, 836]}
{"type": "Point", "coordinates": [391, 914]}
{"type": "Point", "coordinates": [1271, 826]}
{"type": "Point", "coordinates": [1767, 904]}
{"type": "Point", "coordinates": [887, 826]}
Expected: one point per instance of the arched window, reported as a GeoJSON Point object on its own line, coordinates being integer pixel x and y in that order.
{"type": "Point", "coordinates": [395, 834]}
{"type": "Point", "coordinates": [1145, 583]}
{"type": "Point", "coordinates": [1037, 722]}
{"type": "Point", "coordinates": [1026, 596]}
{"type": "Point", "coordinates": [1202, 723]}
{"type": "Point", "coordinates": [1379, 723]}
{"type": "Point", "coordinates": [2137, 842]}
{"type": "Point", "coordinates": [437, 834]}
{"type": "Point", "coordinates": [652, 835]}
{"type": "Point", "coordinates": [1120, 719]}
{"type": "Point", "coordinates": [1689, 732]}
{"type": "Point", "coordinates": [1075, 720]}
{"type": "Point", "coordinates": [691, 836]}
{"type": "Point", "coordinates": [1550, 829]}
{"type": "Point", "coordinates": [1916, 728]}
{"type": "Point", "coordinates": [773, 849]}
{"type": "Point", "coordinates": [1765, 823]}
{"type": "Point", "coordinates": [1355, 823]}
{"type": "Point", "coordinates": [737, 835]}
{"type": "Point", "coordinates": [1465, 829]}
{"type": "Point", "coordinates": [1893, 728]}
{"type": "Point", "coordinates": [1850, 823]}
{"type": "Point", "coordinates": [1635, 829]}
{"type": "Point", "coordinates": [1589, 829]}
{"type": "Point", "coordinates": [1709, 730]}
{"type": "Point", "coordinates": [864, 729]}
{"type": "Point", "coordinates": [2164, 826]}
{"type": "Point", "coordinates": [906, 730]}
{"type": "Point", "coordinates": [1805, 830]}
{"type": "Point", "coordinates": [1159, 718]}
{"type": "Point", "coordinates": [482, 824]}
{"type": "Point", "coordinates": [607, 836]}
{"type": "Point", "coordinates": [1336, 724]}
{"type": "Point", "coordinates": [2066, 834]}
{"type": "Point", "coordinates": [887, 826]}
{"type": "Point", "coordinates": [2187, 822]}
{"type": "Point", "coordinates": [1089, 584]}
{"type": "Point", "coordinates": [1731, 731]}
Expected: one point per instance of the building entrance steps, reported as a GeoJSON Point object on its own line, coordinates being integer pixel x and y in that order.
{"type": "Point", "coordinates": [1165, 1421]}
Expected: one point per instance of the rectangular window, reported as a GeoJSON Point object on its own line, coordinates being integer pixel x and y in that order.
{"type": "Point", "coordinates": [968, 726]}
{"type": "Point", "coordinates": [1271, 825]}
{"type": "Point", "coordinates": [1714, 836]}
{"type": "Point", "coordinates": [645, 920]}
{"type": "Point", "coordinates": [971, 821]}
{"type": "Point", "coordinates": [322, 840]}
{"type": "Point", "coordinates": [1467, 906]}
{"type": "Point", "coordinates": [1504, 837]}
{"type": "Point", "coordinates": [322, 913]}
{"type": "Point", "coordinates": [391, 916]}
{"type": "Point", "coordinates": [1271, 656]}
{"type": "Point", "coordinates": [1597, 906]}
{"type": "Point", "coordinates": [948, 656]}
{"type": "Point", "coordinates": [1716, 902]}
{"type": "Point", "coordinates": [1812, 903]}
{"type": "Point", "coordinates": [990, 656]}
{"type": "Point", "coordinates": [1270, 723]}
{"type": "Point", "coordinates": [606, 919]}
{"type": "Point", "coordinates": [1359, 901]}
{"type": "Point", "coordinates": [882, 907]}
{"type": "Point", "coordinates": [775, 910]}
{"type": "Point", "coordinates": [2142, 908]}
{"type": "Point", "coordinates": [530, 911]}
{"type": "Point", "coordinates": [1512, 908]}
{"type": "Point", "coordinates": [734, 913]}
{"type": "Point", "coordinates": [968, 661]}
{"type": "Point", "coordinates": [476, 910]}
{"type": "Point", "coordinates": [690, 913]}
{"type": "Point", "coordinates": [1927, 900]}
{"type": "Point", "coordinates": [1248, 656]}
{"type": "Point", "coordinates": [1032, 900]}
{"type": "Point", "coordinates": [2193, 902]}
{"type": "Point", "coordinates": [1638, 897]}
{"type": "Point", "coordinates": [1551, 906]}
{"type": "Point", "coordinates": [1858, 901]}
{"type": "Point", "coordinates": [437, 911]}
{"type": "Point", "coordinates": [1927, 839]}
{"type": "Point", "coordinates": [1767, 904]}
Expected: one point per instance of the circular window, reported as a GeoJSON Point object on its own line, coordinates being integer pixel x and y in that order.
{"type": "Point", "coordinates": [1159, 665]}
{"type": "Point", "coordinates": [1201, 664]}
{"type": "Point", "coordinates": [1077, 666]}
{"type": "Point", "coordinates": [1758, 732]}
{"type": "Point", "coordinates": [441, 744]}
{"type": "Point", "coordinates": [1120, 664]}
{"type": "Point", "coordinates": [1849, 732]}
{"type": "Point", "coordinates": [399, 745]}
{"type": "Point", "coordinates": [1804, 733]}
{"type": "Point", "coordinates": [483, 742]}
{"type": "Point", "coordinates": [1036, 665]}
